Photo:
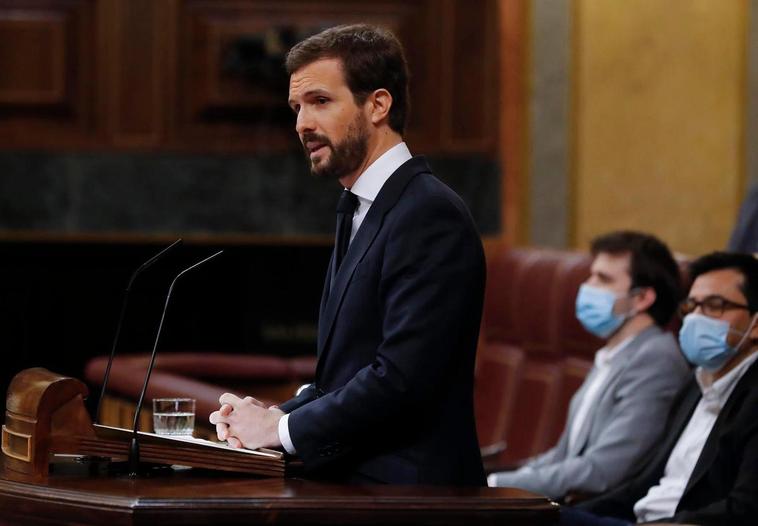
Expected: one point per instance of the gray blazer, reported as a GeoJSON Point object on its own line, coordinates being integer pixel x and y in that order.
{"type": "Point", "coordinates": [622, 428]}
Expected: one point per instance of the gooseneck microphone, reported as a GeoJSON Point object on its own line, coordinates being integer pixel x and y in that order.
{"type": "Point", "coordinates": [147, 264]}
{"type": "Point", "coordinates": [134, 446]}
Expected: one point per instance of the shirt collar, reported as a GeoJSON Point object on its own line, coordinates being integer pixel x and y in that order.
{"type": "Point", "coordinates": [719, 391]}
{"type": "Point", "coordinates": [604, 356]}
{"type": "Point", "coordinates": [368, 184]}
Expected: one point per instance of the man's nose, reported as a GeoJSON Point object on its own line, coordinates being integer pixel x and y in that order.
{"type": "Point", "coordinates": [304, 122]}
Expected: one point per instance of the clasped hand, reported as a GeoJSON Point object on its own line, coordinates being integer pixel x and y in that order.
{"type": "Point", "coordinates": [246, 422]}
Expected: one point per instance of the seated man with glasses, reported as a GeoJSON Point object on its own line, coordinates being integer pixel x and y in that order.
{"type": "Point", "coordinates": [705, 470]}
{"type": "Point", "coordinates": [617, 415]}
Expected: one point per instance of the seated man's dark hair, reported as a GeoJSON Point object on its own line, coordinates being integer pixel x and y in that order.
{"type": "Point", "coordinates": [650, 265]}
{"type": "Point", "coordinates": [372, 59]}
{"type": "Point", "coordinates": [745, 264]}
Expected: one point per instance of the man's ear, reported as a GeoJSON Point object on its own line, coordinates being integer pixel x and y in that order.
{"type": "Point", "coordinates": [380, 102]}
{"type": "Point", "coordinates": [645, 299]}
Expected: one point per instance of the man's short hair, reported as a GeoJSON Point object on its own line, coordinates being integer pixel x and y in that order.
{"type": "Point", "coordinates": [372, 58]}
{"type": "Point", "coordinates": [650, 265]}
{"type": "Point", "coordinates": [745, 264]}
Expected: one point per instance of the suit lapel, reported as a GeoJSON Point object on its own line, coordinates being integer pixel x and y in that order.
{"type": "Point", "coordinates": [710, 449]}
{"type": "Point", "coordinates": [619, 363]}
{"type": "Point", "coordinates": [325, 297]}
{"type": "Point", "coordinates": [617, 366]}
{"type": "Point", "coordinates": [681, 419]}
{"type": "Point", "coordinates": [654, 466]}
{"type": "Point", "coordinates": [387, 198]}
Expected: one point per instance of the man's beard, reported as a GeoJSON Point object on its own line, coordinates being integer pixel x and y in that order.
{"type": "Point", "coordinates": [346, 157]}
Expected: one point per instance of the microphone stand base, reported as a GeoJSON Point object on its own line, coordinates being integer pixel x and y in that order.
{"type": "Point", "coordinates": [143, 470]}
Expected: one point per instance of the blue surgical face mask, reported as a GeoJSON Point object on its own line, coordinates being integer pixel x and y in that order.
{"type": "Point", "coordinates": [704, 341]}
{"type": "Point", "coordinates": [594, 310]}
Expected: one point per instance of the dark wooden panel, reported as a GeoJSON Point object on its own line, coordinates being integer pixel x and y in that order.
{"type": "Point", "coordinates": [469, 106]}
{"type": "Point", "coordinates": [207, 75]}
{"type": "Point", "coordinates": [75, 495]}
{"type": "Point", "coordinates": [134, 45]}
{"type": "Point", "coordinates": [231, 85]}
{"type": "Point", "coordinates": [47, 95]}
{"type": "Point", "coordinates": [32, 55]}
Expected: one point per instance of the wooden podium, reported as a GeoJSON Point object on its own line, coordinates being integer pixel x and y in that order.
{"type": "Point", "coordinates": [45, 415]}
{"type": "Point", "coordinates": [39, 485]}
{"type": "Point", "coordinates": [76, 494]}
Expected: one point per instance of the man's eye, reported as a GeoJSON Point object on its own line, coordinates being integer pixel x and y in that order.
{"type": "Point", "coordinates": [322, 100]}
{"type": "Point", "coordinates": [714, 302]}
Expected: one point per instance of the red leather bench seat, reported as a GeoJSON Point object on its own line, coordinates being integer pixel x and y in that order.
{"type": "Point", "coordinates": [533, 354]}
{"type": "Point", "coordinates": [204, 377]}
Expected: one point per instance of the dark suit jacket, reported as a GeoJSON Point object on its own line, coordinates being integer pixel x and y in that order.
{"type": "Point", "coordinates": [393, 397]}
{"type": "Point", "coordinates": [723, 488]}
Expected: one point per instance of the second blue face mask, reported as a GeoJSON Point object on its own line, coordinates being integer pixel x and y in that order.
{"type": "Point", "coordinates": [704, 341]}
{"type": "Point", "coordinates": [594, 310]}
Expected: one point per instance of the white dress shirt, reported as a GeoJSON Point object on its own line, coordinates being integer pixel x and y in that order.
{"type": "Point", "coordinates": [366, 188]}
{"type": "Point", "coordinates": [662, 500]}
{"type": "Point", "coordinates": [603, 360]}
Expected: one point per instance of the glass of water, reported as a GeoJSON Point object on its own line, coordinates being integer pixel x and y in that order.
{"type": "Point", "coordinates": [174, 416]}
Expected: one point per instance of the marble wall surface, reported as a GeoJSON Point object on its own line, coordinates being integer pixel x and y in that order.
{"type": "Point", "coordinates": [81, 193]}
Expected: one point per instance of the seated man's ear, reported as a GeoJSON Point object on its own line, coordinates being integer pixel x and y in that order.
{"type": "Point", "coordinates": [645, 299]}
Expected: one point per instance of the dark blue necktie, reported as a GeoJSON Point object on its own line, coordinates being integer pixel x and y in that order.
{"type": "Point", "coordinates": [345, 209]}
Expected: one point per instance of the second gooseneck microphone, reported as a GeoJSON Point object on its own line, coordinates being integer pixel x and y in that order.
{"type": "Point", "coordinates": [134, 454]}
{"type": "Point", "coordinates": [147, 264]}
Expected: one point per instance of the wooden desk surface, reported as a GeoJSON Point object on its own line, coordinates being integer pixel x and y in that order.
{"type": "Point", "coordinates": [77, 494]}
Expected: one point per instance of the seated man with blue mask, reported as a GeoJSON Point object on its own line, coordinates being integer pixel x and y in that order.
{"type": "Point", "coordinates": [705, 469]}
{"type": "Point", "coordinates": [618, 414]}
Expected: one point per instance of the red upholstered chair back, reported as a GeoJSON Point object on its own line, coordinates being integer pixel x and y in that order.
{"type": "Point", "coordinates": [533, 353]}
{"type": "Point", "coordinates": [499, 368]}
{"type": "Point", "coordinates": [202, 376]}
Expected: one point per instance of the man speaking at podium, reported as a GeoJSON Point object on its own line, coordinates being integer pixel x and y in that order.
{"type": "Point", "coordinates": [392, 401]}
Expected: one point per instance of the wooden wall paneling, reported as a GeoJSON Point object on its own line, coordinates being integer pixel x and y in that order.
{"type": "Point", "coordinates": [513, 36]}
{"type": "Point", "coordinates": [469, 78]}
{"type": "Point", "coordinates": [41, 36]}
{"type": "Point", "coordinates": [220, 104]}
{"type": "Point", "coordinates": [140, 74]}
{"type": "Point", "coordinates": [135, 77]}
{"type": "Point", "coordinates": [420, 29]}
{"type": "Point", "coordinates": [211, 109]}
{"type": "Point", "coordinates": [47, 89]}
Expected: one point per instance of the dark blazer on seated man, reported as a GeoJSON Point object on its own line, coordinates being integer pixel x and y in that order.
{"type": "Point", "coordinates": [705, 470]}
{"type": "Point", "coordinates": [392, 400]}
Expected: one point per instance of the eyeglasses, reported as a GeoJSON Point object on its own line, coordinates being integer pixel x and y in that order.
{"type": "Point", "coordinates": [713, 306]}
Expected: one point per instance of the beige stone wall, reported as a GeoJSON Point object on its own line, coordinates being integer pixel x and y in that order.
{"type": "Point", "coordinates": [658, 119]}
